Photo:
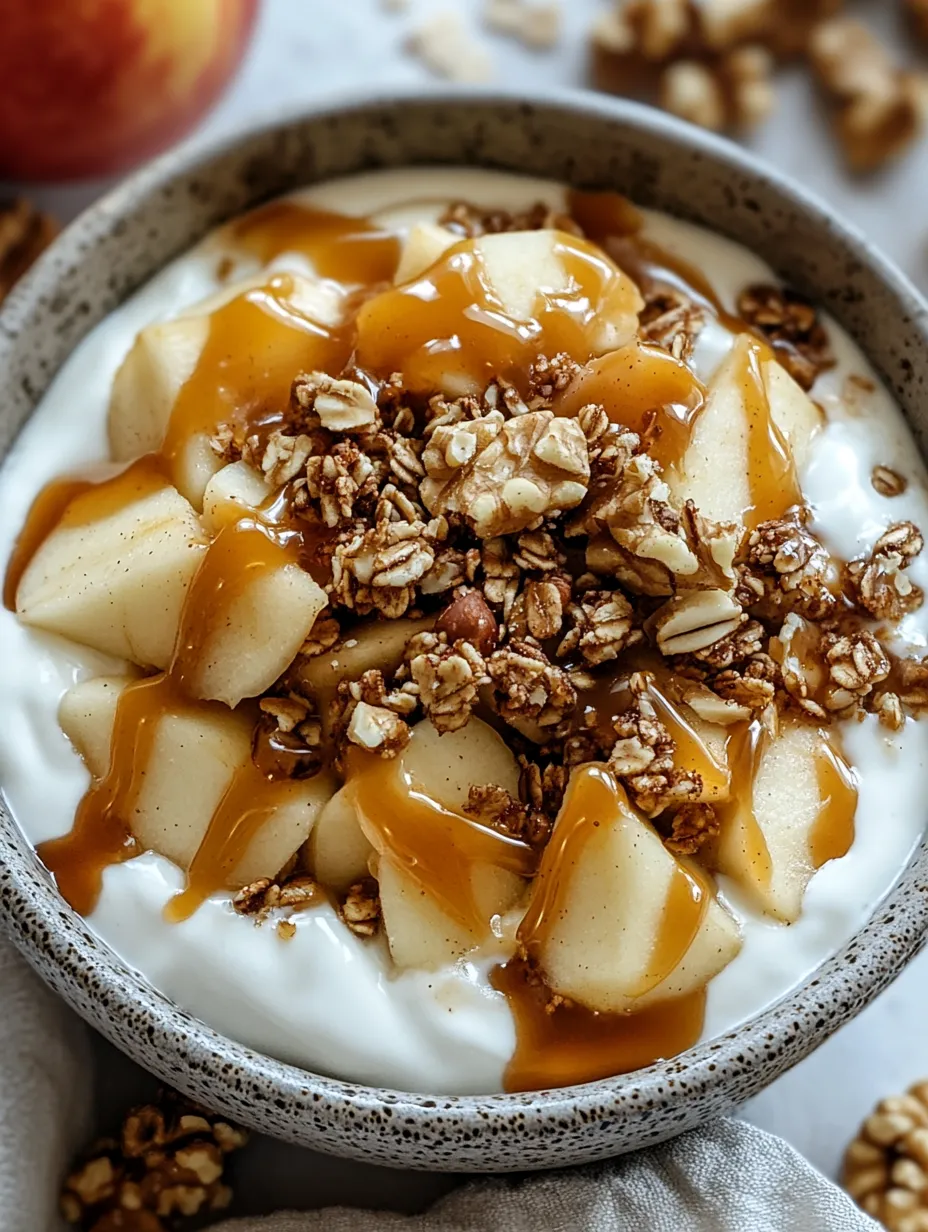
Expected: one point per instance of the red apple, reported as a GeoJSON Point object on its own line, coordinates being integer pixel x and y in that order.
{"type": "Point", "coordinates": [88, 87]}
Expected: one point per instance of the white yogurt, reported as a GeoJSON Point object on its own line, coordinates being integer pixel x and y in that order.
{"type": "Point", "coordinates": [325, 999]}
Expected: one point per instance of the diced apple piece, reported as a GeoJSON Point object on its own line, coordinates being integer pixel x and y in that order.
{"type": "Point", "coordinates": [118, 583]}
{"type": "Point", "coordinates": [715, 472]}
{"type": "Point", "coordinates": [232, 493]}
{"type": "Point", "coordinates": [767, 837]}
{"type": "Point", "coordinates": [297, 811]}
{"type": "Point", "coordinates": [86, 714]}
{"type": "Point", "coordinates": [520, 266]}
{"type": "Point", "coordinates": [419, 932]}
{"type": "Point", "coordinates": [378, 644]}
{"type": "Point", "coordinates": [163, 358]}
{"type": "Point", "coordinates": [424, 244]}
{"type": "Point", "coordinates": [619, 911]}
{"type": "Point", "coordinates": [339, 851]}
{"type": "Point", "coordinates": [447, 766]}
{"type": "Point", "coordinates": [194, 756]}
{"type": "Point", "coordinates": [259, 635]}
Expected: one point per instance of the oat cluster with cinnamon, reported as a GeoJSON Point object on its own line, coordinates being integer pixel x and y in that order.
{"type": "Point", "coordinates": [539, 556]}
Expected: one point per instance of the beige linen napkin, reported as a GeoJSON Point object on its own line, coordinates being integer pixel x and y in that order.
{"type": "Point", "coordinates": [729, 1177]}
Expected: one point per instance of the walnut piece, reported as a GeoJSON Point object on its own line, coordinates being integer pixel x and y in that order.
{"type": "Point", "coordinates": [168, 1162]}
{"type": "Point", "coordinates": [446, 47]}
{"type": "Point", "coordinates": [534, 466]}
{"type": "Point", "coordinates": [886, 1166]}
{"type": "Point", "coordinates": [878, 108]}
{"type": "Point", "coordinates": [377, 730]}
{"type": "Point", "coordinates": [791, 324]}
{"type": "Point", "coordinates": [734, 91]}
{"type": "Point", "coordinates": [537, 25]}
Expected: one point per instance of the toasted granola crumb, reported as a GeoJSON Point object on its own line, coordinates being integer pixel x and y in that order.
{"type": "Point", "coordinates": [673, 321]}
{"type": "Point", "coordinates": [447, 678]}
{"type": "Point", "coordinates": [469, 619]}
{"type": "Point", "coordinates": [791, 323]}
{"type": "Point", "coordinates": [360, 909]}
{"type": "Point", "coordinates": [888, 482]}
{"type": "Point", "coordinates": [692, 826]}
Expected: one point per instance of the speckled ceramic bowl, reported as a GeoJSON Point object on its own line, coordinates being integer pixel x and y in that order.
{"type": "Point", "coordinates": [590, 142]}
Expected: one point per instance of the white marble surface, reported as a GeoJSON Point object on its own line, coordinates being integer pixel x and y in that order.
{"type": "Point", "coordinates": [307, 49]}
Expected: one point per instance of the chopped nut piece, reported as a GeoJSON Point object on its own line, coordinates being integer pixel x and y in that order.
{"type": "Point", "coordinates": [537, 25]}
{"type": "Point", "coordinates": [284, 457]}
{"type": "Point", "coordinates": [24, 234]}
{"type": "Point", "coordinates": [467, 618]}
{"type": "Point", "coordinates": [168, 1161]}
{"type": "Point", "coordinates": [534, 466]}
{"type": "Point", "coordinates": [694, 621]}
{"type": "Point", "coordinates": [377, 730]}
{"type": "Point", "coordinates": [879, 109]}
{"type": "Point", "coordinates": [792, 325]}
{"type": "Point", "coordinates": [733, 92]}
{"type": "Point", "coordinates": [447, 49]}
{"type": "Point", "coordinates": [447, 678]}
{"type": "Point", "coordinates": [361, 908]}
{"type": "Point", "coordinates": [536, 551]}
{"type": "Point", "coordinates": [888, 482]}
{"type": "Point", "coordinates": [886, 1166]}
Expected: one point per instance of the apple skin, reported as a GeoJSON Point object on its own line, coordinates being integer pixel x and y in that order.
{"type": "Point", "coordinates": [96, 87]}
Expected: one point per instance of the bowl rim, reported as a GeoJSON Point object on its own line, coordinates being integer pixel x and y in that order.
{"type": "Point", "coordinates": [58, 943]}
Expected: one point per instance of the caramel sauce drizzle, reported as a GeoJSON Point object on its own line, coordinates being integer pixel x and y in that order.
{"type": "Point", "coordinates": [560, 1044]}
{"type": "Point", "coordinates": [341, 247]}
{"type": "Point", "coordinates": [437, 846]}
{"type": "Point", "coordinates": [833, 831]}
{"type": "Point", "coordinates": [774, 484]}
{"type": "Point", "coordinates": [450, 324]}
{"type": "Point", "coordinates": [746, 747]}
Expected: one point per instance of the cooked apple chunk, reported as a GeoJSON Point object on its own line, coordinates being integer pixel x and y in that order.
{"type": "Point", "coordinates": [232, 493]}
{"type": "Point", "coordinates": [754, 430]}
{"type": "Point", "coordinates": [524, 267]}
{"type": "Point", "coordinates": [339, 852]}
{"type": "Point", "coordinates": [424, 244]}
{"type": "Point", "coordinates": [616, 920]}
{"type": "Point", "coordinates": [118, 582]}
{"type": "Point", "coordinates": [259, 632]}
{"type": "Point", "coordinates": [195, 753]}
{"type": "Point", "coordinates": [799, 813]}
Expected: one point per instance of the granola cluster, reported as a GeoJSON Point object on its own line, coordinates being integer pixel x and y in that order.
{"type": "Point", "coordinates": [553, 585]}
{"type": "Point", "coordinates": [167, 1164]}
